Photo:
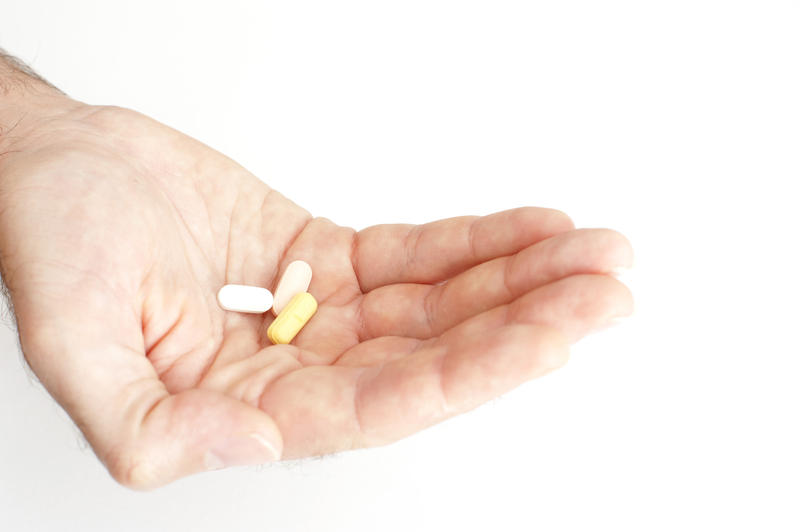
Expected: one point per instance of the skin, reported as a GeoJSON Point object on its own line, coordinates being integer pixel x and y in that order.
{"type": "Point", "coordinates": [116, 233]}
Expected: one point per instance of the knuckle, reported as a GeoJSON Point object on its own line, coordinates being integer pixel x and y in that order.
{"type": "Point", "coordinates": [132, 467]}
{"type": "Point", "coordinates": [111, 115]}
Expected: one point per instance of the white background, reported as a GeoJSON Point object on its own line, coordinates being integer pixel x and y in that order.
{"type": "Point", "coordinates": [677, 123]}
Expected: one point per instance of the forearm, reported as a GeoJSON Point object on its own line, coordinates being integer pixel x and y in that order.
{"type": "Point", "coordinates": [14, 74]}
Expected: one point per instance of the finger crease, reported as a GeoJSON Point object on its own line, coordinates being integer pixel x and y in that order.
{"type": "Point", "coordinates": [411, 246]}
{"type": "Point", "coordinates": [354, 261]}
{"type": "Point", "coordinates": [429, 308]}
{"type": "Point", "coordinates": [509, 267]}
{"type": "Point", "coordinates": [473, 250]}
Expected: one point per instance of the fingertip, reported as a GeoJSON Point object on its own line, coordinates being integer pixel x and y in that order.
{"type": "Point", "coordinates": [546, 220]}
{"type": "Point", "coordinates": [561, 221]}
{"type": "Point", "coordinates": [625, 304]}
{"type": "Point", "coordinates": [621, 249]}
{"type": "Point", "coordinates": [602, 298]}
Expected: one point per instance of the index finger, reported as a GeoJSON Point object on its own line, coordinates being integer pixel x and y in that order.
{"type": "Point", "coordinates": [436, 251]}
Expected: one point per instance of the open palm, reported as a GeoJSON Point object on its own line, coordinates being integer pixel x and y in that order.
{"type": "Point", "coordinates": [116, 233]}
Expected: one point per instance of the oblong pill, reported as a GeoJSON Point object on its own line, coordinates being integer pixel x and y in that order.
{"type": "Point", "coordinates": [243, 298]}
{"type": "Point", "coordinates": [292, 318]}
{"type": "Point", "coordinates": [295, 280]}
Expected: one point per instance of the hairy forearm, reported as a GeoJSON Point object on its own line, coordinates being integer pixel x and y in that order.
{"type": "Point", "coordinates": [16, 75]}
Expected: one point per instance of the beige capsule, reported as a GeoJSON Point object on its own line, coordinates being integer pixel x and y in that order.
{"type": "Point", "coordinates": [295, 280]}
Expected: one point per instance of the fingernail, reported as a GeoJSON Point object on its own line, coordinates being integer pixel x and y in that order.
{"type": "Point", "coordinates": [615, 321]}
{"type": "Point", "coordinates": [241, 450]}
{"type": "Point", "coordinates": [616, 271]}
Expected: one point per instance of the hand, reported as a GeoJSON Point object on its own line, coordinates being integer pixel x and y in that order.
{"type": "Point", "coordinates": [116, 233]}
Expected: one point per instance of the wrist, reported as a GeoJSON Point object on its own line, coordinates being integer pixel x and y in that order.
{"type": "Point", "coordinates": [26, 102]}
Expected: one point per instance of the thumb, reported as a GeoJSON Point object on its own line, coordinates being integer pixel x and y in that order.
{"type": "Point", "coordinates": [96, 368]}
{"type": "Point", "coordinates": [186, 433]}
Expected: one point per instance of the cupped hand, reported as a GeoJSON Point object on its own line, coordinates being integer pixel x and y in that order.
{"type": "Point", "coordinates": [116, 232]}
